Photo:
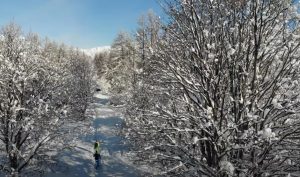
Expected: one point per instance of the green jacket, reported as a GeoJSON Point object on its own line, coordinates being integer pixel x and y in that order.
{"type": "Point", "coordinates": [97, 147]}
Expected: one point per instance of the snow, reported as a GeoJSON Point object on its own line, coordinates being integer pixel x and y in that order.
{"type": "Point", "coordinates": [209, 111]}
{"type": "Point", "coordinates": [267, 133]}
{"type": "Point", "coordinates": [93, 51]}
{"type": "Point", "coordinates": [231, 51]}
{"type": "Point", "coordinates": [115, 157]}
{"type": "Point", "coordinates": [227, 167]}
{"type": "Point", "coordinates": [276, 104]}
{"type": "Point", "coordinates": [101, 96]}
{"type": "Point", "coordinates": [195, 139]}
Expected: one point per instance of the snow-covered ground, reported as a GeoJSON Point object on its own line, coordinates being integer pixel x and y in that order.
{"type": "Point", "coordinates": [79, 162]}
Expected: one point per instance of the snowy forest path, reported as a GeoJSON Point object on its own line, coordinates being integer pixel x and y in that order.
{"type": "Point", "coordinates": [79, 162]}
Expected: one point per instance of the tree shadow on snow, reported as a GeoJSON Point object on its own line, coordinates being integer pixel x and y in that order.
{"type": "Point", "coordinates": [110, 140]}
{"type": "Point", "coordinates": [116, 170]}
{"type": "Point", "coordinates": [71, 163]}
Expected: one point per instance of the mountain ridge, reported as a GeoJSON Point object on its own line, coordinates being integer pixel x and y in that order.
{"type": "Point", "coordinates": [93, 51]}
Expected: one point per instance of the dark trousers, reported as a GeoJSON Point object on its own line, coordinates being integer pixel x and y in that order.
{"type": "Point", "coordinates": [97, 163]}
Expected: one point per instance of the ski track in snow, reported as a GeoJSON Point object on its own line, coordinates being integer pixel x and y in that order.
{"type": "Point", "coordinates": [80, 162]}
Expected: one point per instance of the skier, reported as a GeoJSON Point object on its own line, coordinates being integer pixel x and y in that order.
{"type": "Point", "coordinates": [97, 154]}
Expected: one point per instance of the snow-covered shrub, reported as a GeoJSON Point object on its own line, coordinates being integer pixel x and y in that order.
{"type": "Point", "coordinates": [37, 93]}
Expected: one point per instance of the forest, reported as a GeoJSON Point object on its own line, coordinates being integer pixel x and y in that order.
{"type": "Point", "coordinates": [211, 89]}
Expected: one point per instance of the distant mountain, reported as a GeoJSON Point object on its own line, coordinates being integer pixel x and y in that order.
{"type": "Point", "coordinates": [93, 51]}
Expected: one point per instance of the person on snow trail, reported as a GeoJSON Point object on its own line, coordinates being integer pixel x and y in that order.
{"type": "Point", "coordinates": [97, 153]}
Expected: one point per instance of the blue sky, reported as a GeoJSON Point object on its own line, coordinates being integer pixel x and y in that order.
{"type": "Point", "coordinates": [80, 23]}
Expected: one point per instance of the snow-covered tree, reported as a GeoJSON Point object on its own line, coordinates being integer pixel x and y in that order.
{"type": "Point", "coordinates": [121, 65]}
{"type": "Point", "coordinates": [147, 34]}
{"type": "Point", "coordinates": [82, 84]}
{"type": "Point", "coordinates": [36, 99]}
{"type": "Point", "coordinates": [147, 37]}
{"type": "Point", "coordinates": [100, 61]}
{"type": "Point", "coordinates": [225, 100]}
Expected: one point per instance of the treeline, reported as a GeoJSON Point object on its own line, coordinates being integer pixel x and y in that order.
{"type": "Point", "coordinates": [45, 87]}
{"type": "Point", "coordinates": [214, 90]}
{"type": "Point", "coordinates": [124, 63]}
